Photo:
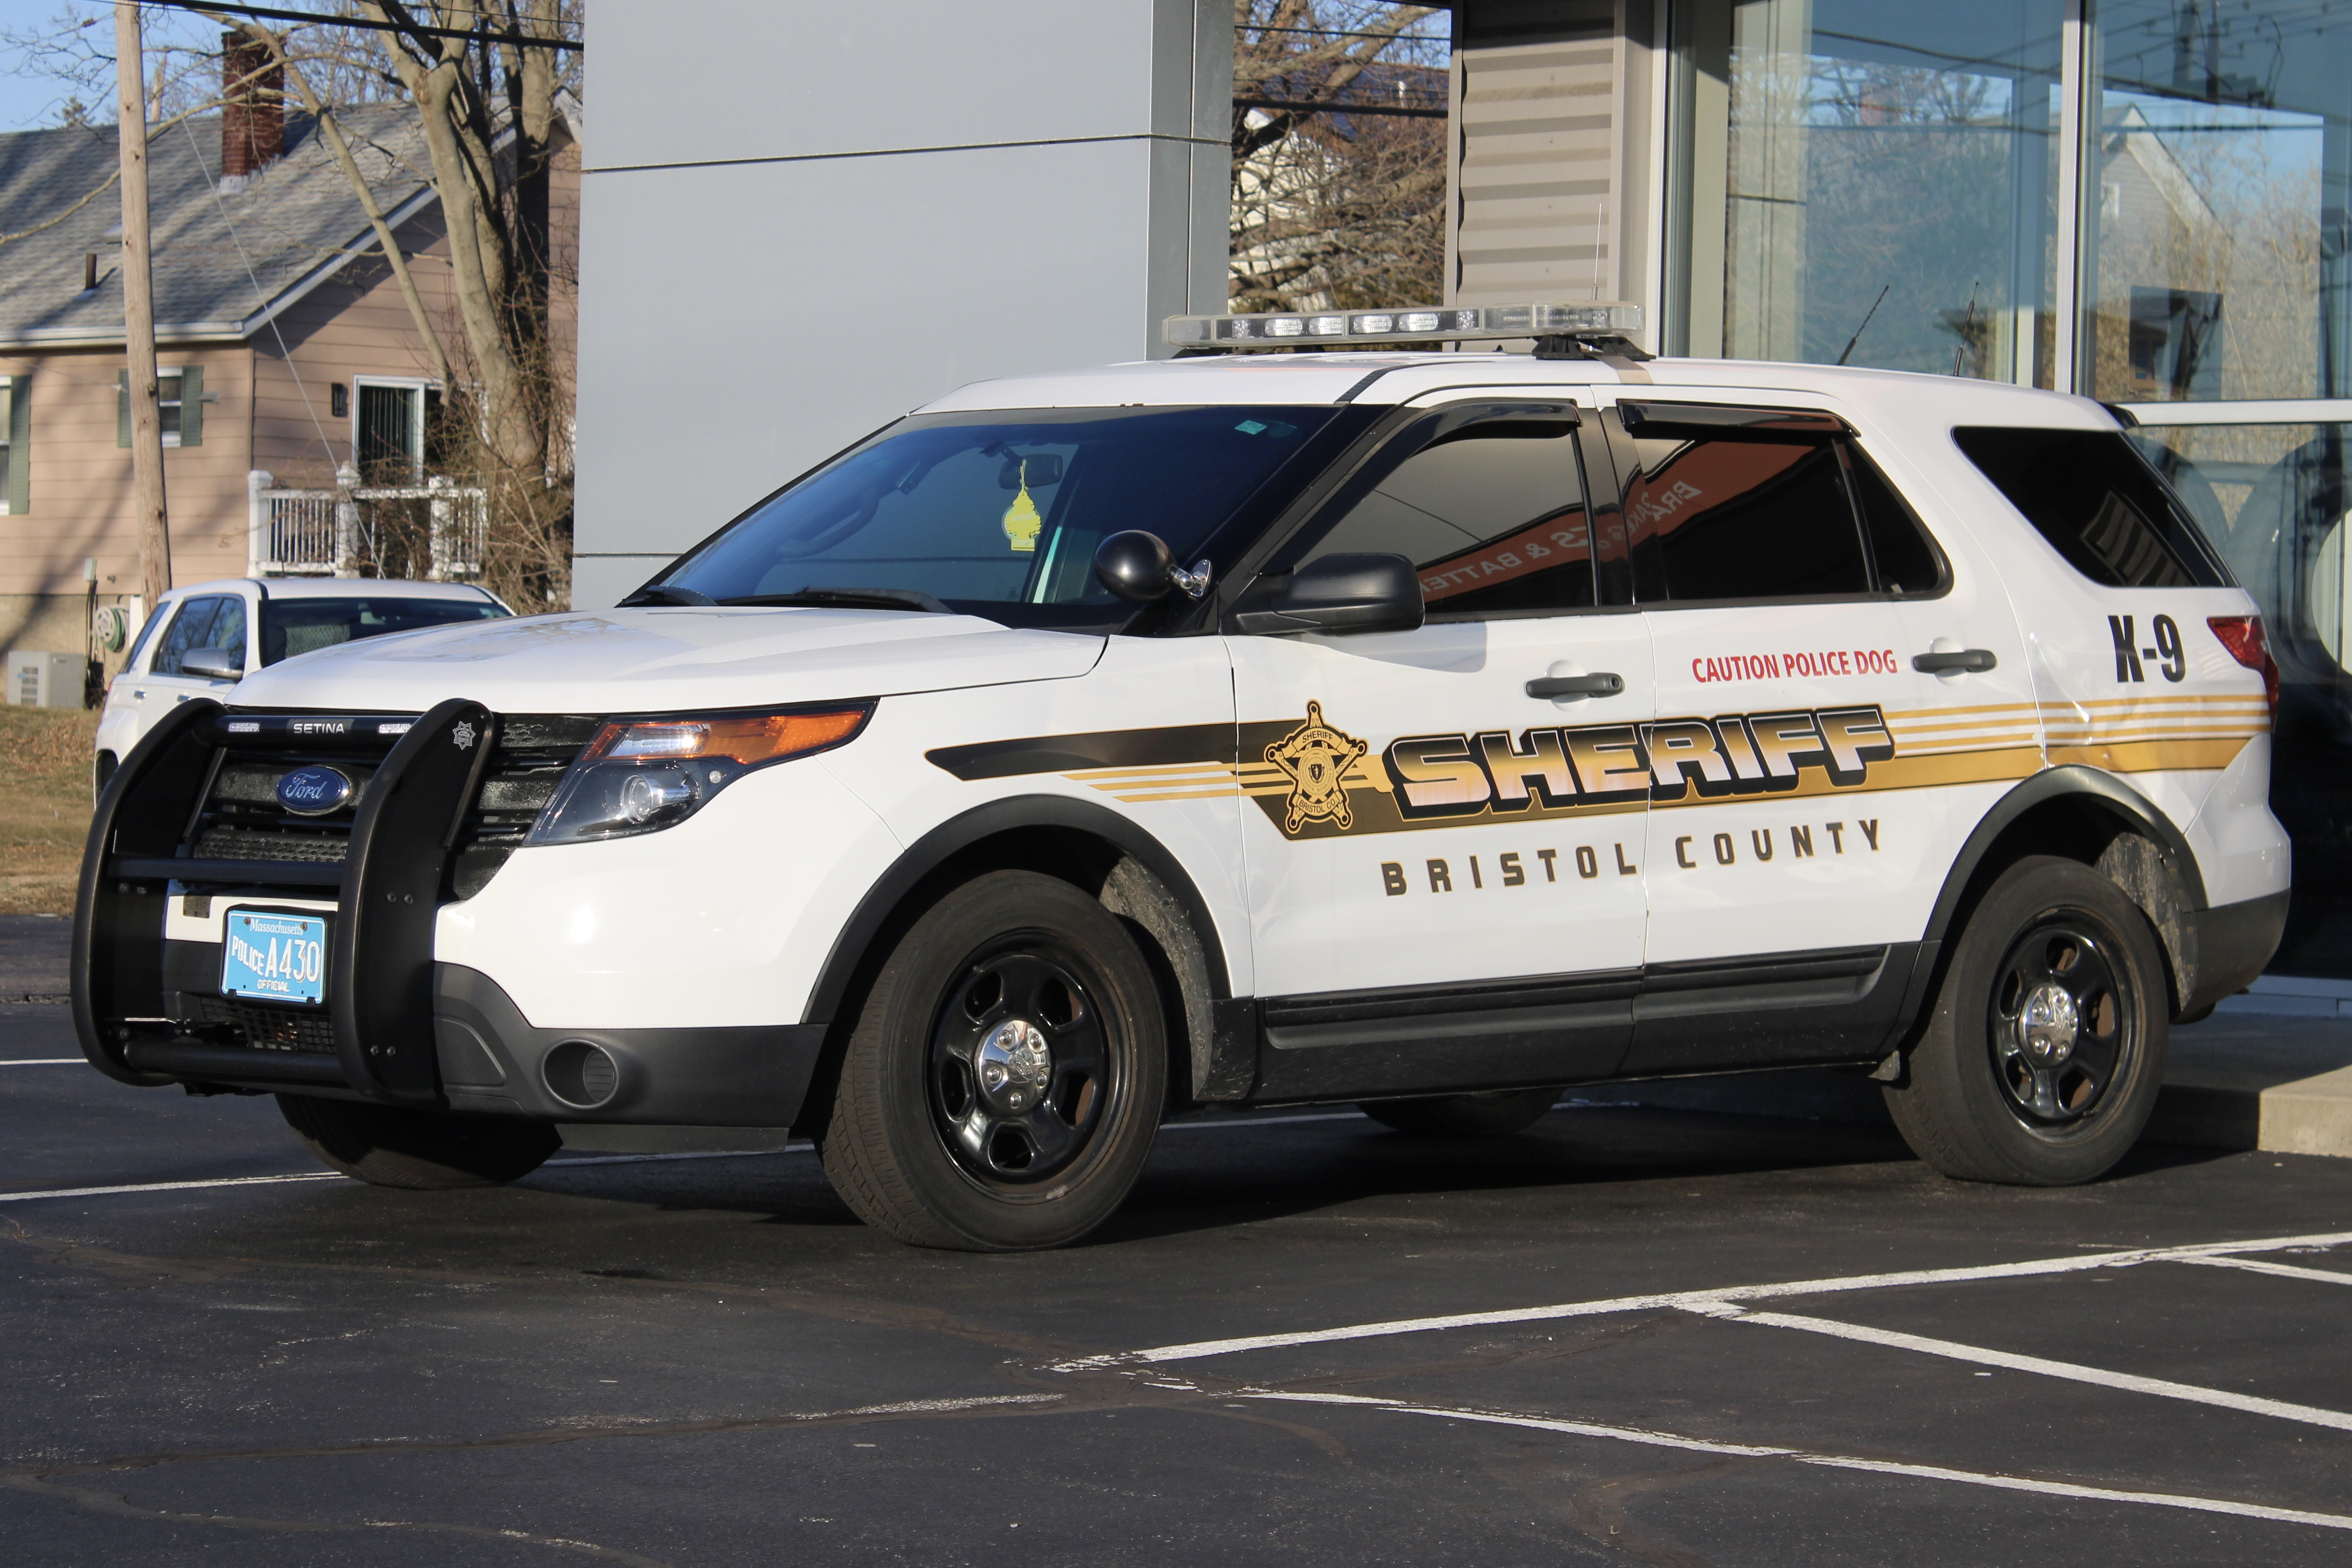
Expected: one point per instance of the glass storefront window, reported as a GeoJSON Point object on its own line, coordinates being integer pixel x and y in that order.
{"type": "Point", "coordinates": [2215, 176]}
{"type": "Point", "coordinates": [2275, 500]}
{"type": "Point", "coordinates": [1868, 181]}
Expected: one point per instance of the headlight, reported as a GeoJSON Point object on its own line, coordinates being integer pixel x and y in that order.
{"type": "Point", "coordinates": [640, 775]}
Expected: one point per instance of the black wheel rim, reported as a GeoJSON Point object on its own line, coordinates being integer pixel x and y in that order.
{"type": "Point", "coordinates": [1020, 1067]}
{"type": "Point", "coordinates": [2065, 1022]}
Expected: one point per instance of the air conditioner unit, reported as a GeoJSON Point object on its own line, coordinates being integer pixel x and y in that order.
{"type": "Point", "coordinates": [45, 679]}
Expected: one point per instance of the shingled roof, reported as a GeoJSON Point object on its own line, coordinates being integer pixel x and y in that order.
{"type": "Point", "coordinates": [293, 225]}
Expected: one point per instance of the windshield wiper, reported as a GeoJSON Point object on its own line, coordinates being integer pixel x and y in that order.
{"type": "Point", "coordinates": [849, 599]}
{"type": "Point", "coordinates": [663, 594]}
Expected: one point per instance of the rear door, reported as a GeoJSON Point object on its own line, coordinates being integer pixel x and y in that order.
{"type": "Point", "coordinates": [1444, 871]}
{"type": "Point", "coordinates": [1813, 781]}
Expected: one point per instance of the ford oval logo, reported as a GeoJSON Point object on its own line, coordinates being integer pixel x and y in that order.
{"type": "Point", "coordinates": [315, 791]}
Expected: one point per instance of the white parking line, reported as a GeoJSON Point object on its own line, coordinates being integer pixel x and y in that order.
{"type": "Point", "coordinates": [1197, 1349]}
{"type": "Point", "coordinates": [2282, 1270]}
{"type": "Point", "coordinates": [1832, 1461]}
{"type": "Point", "coordinates": [2068, 1371]}
{"type": "Point", "coordinates": [45, 1062]}
{"type": "Point", "coordinates": [169, 1186]}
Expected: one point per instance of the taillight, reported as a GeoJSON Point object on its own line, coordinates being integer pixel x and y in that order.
{"type": "Point", "coordinates": [2244, 638]}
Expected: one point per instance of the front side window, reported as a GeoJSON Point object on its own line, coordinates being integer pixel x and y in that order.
{"type": "Point", "coordinates": [2098, 503]}
{"type": "Point", "coordinates": [999, 513]}
{"type": "Point", "coordinates": [168, 387]}
{"type": "Point", "coordinates": [191, 627]}
{"type": "Point", "coordinates": [1487, 504]}
{"type": "Point", "coordinates": [294, 626]}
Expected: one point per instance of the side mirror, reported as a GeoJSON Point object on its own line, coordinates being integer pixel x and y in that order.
{"type": "Point", "coordinates": [214, 663]}
{"type": "Point", "coordinates": [1139, 567]}
{"type": "Point", "coordinates": [1370, 593]}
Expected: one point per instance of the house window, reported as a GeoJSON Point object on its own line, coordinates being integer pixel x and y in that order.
{"type": "Point", "coordinates": [16, 445]}
{"type": "Point", "coordinates": [168, 384]}
{"type": "Point", "coordinates": [392, 430]}
{"type": "Point", "coordinates": [180, 403]}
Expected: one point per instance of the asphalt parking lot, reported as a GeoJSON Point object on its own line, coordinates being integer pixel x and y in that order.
{"type": "Point", "coordinates": [1628, 1335]}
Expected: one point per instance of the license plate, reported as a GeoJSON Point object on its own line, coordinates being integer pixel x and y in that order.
{"type": "Point", "coordinates": [274, 958]}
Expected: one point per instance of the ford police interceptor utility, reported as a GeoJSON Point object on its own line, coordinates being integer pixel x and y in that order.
{"type": "Point", "coordinates": [1422, 729]}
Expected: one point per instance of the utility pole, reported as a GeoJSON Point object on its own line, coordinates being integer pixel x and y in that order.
{"type": "Point", "coordinates": [139, 307]}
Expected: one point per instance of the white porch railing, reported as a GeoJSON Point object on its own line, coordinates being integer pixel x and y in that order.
{"type": "Point", "coordinates": [336, 532]}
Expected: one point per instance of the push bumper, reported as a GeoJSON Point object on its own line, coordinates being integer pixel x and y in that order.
{"type": "Point", "coordinates": [398, 1027]}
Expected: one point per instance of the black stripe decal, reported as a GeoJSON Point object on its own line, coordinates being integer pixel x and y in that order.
{"type": "Point", "coordinates": [1101, 749]}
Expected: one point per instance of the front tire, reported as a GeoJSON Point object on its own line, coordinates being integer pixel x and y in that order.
{"type": "Point", "coordinates": [1493, 1115]}
{"type": "Point", "coordinates": [2044, 1053]}
{"type": "Point", "coordinates": [424, 1150]}
{"type": "Point", "coordinates": [1001, 1087]}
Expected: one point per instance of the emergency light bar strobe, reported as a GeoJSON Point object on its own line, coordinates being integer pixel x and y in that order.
{"type": "Point", "coordinates": [1413, 323]}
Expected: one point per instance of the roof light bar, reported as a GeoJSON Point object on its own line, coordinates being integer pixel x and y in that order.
{"type": "Point", "coordinates": [1412, 323]}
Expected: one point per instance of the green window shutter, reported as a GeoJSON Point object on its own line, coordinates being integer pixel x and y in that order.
{"type": "Point", "coordinates": [122, 408]}
{"type": "Point", "coordinates": [20, 445]}
{"type": "Point", "coordinates": [191, 407]}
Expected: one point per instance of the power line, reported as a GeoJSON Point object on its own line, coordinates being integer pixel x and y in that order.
{"type": "Point", "coordinates": [272, 14]}
{"type": "Point", "coordinates": [1341, 106]}
{"type": "Point", "coordinates": [1344, 33]}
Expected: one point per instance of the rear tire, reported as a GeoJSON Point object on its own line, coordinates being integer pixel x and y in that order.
{"type": "Point", "coordinates": [424, 1150]}
{"type": "Point", "coordinates": [1493, 1115]}
{"type": "Point", "coordinates": [1002, 1085]}
{"type": "Point", "coordinates": [2044, 1053]}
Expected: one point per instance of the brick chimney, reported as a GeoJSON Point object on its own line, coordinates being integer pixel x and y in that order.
{"type": "Point", "coordinates": [253, 112]}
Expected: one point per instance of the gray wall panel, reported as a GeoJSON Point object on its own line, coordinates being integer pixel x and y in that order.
{"type": "Point", "coordinates": [863, 209]}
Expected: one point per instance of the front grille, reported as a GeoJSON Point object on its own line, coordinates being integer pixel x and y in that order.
{"type": "Point", "coordinates": [242, 820]}
{"type": "Point", "coordinates": [262, 1025]}
{"type": "Point", "coordinates": [533, 751]}
{"type": "Point", "coordinates": [314, 848]}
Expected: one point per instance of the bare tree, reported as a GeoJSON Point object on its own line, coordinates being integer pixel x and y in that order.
{"type": "Point", "coordinates": [1337, 199]}
{"type": "Point", "coordinates": [488, 79]}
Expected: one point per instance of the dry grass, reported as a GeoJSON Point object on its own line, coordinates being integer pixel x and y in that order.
{"type": "Point", "coordinates": [45, 757]}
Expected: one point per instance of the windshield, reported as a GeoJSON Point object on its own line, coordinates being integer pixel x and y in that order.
{"type": "Point", "coordinates": [999, 513]}
{"type": "Point", "coordinates": [291, 626]}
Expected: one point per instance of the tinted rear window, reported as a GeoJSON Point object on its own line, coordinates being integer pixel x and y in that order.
{"type": "Point", "coordinates": [2098, 503]}
{"type": "Point", "coordinates": [293, 626]}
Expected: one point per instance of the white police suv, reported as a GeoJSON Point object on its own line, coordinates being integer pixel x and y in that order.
{"type": "Point", "coordinates": [1422, 729]}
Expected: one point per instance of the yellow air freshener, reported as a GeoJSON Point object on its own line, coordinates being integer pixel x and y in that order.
{"type": "Point", "coordinates": [1022, 523]}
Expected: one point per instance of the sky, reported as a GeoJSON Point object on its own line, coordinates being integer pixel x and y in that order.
{"type": "Point", "coordinates": [28, 103]}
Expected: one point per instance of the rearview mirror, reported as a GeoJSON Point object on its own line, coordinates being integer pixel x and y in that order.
{"type": "Point", "coordinates": [214, 663]}
{"type": "Point", "coordinates": [1366, 593]}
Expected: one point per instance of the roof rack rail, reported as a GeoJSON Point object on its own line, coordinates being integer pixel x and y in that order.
{"type": "Point", "coordinates": [1589, 331]}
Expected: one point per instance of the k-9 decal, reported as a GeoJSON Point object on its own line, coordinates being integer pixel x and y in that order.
{"type": "Point", "coordinates": [2167, 654]}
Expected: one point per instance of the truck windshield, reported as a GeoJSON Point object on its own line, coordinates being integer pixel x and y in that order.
{"type": "Point", "coordinates": [999, 513]}
{"type": "Point", "coordinates": [291, 626]}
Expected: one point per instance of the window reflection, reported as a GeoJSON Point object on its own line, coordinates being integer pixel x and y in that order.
{"type": "Point", "coordinates": [2215, 187]}
{"type": "Point", "coordinates": [2273, 499]}
{"type": "Point", "coordinates": [1870, 181]}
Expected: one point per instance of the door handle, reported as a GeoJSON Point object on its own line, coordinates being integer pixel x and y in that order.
{"type": "Point", "coordinates": [1604, 684]}
{"type": "Point", "coordinates": [1975, 661]}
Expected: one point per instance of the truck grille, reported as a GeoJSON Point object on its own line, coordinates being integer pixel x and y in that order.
{"type": "Point", "coordinates": [241, 820]}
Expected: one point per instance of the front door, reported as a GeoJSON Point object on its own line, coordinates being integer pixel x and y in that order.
{"type": "Point", "coordinates": [1813, 781]}
{"type": "Point", "coordinates": [1444, 870]}
{"type": "Point", "coordinates": [208, 620]}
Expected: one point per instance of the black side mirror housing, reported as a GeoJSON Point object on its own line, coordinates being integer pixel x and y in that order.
{"type": "Point", "coordinates": [1367, 593]}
